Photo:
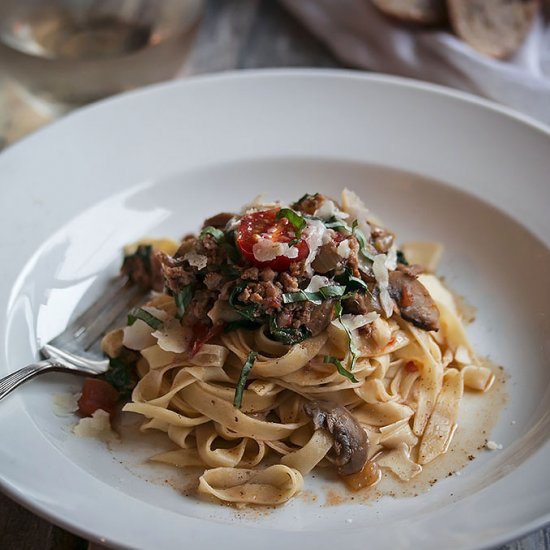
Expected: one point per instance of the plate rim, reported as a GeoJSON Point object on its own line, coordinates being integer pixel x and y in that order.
{"type": "Point", "coordinates": [412, 83]}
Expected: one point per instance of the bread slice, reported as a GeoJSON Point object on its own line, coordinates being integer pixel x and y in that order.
{"type": "Point", "coordinates": [493, 27]}
{"type": "Point", "coordinates": [414, 11]}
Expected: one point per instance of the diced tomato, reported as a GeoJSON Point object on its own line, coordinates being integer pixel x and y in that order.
{"type": "Point", "coordinates": [265, 225]}
{"type": "Point", "coordinates": [97, 394]}
{"type": "Point", "coordinates": [202, 334]}
{"type": "Point", "coordinates": [411, 367]}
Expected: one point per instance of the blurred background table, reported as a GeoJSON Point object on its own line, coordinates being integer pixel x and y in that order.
{"type": "Point", "coordinates": [234, 34]}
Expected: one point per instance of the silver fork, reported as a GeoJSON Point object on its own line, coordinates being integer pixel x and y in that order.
{"type": "Point", "coordinates": [77, 349]}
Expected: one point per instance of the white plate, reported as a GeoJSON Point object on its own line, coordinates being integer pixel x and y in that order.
{"type": "Point", "coordinates": [431, 162]}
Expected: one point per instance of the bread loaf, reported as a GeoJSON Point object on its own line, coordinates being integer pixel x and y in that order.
{"type": "Point", "coordinates": [492, 27]}
{"type": "Point", "coordinates": [414, 11]}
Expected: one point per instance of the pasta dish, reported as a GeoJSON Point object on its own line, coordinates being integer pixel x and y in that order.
{"type": "Point", "coordinates": [288, 338]}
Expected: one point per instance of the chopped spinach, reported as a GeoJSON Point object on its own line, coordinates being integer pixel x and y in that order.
{"type": "Point", "coordinates": [122, 377]}
{"type": "Point", "coordinates": [183, 299]}
{"type": "Point", "coordinates": [401, 258]}
{"type": "Point", "coordinates": [248, 311]}
{"type": "Point", "coordinates": [217, 234]}
{"type": "Point", "coordinates": [288, 336]}
{"type": "Point", "coordinates": [145, 316]}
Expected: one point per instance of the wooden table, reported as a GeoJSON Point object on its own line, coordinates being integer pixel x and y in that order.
{"type": "Point", "coordinates": [234, 34]}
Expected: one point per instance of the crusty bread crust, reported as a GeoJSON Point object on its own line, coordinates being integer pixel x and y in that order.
{"type": "Point", "coordinates": [429, 12]}
{"type": "Point", "coordinates": [493, 27]}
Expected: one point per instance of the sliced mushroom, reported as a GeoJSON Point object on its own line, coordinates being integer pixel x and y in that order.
{"type": "Point", "coordinates": [319, 317]}
{"type": "Point", "coordinates": [219, 220]}
{"type": "Point", "coordinates": [414, 301]}
{"type": "Point", "coordinates": [327, 259]}
{"type": "Point", "coordinates": [361, 303]}
{"type": "Point", "coordinates": [350, 439]}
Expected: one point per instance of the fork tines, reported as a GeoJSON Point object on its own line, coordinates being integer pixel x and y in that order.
{"type": "Point", "coordinates": [120, 296]}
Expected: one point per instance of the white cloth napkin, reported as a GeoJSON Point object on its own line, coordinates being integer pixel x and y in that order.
{"type": "Point", "coordinates": [360, 36]}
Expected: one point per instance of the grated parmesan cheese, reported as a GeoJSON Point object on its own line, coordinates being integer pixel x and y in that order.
{"type": "Point", "coordinates": [173, 337]}
{"type": "Point", "coordinates": [317, 282]}
{"type": "Point", "coordinates": [316, 235]}
{"type": "Point", "coordinates": [98, 426]}
{"type": "Point", "coordinates": [329, 210]}
{"type": "Point", "coordinates": [353, 322]}
{"type": "Point", "coordinates": [65, 404]}
{"type": "Point", "coordinates": [343, 250]}
{"type": "Point", "coordinates": [266, 250]}
{"type": "Point", "coordinates": [357, 210]}
{"type": "Point", "coordinates": [382, 278]}
{"type": "Point", "coordinates": [257, 204]}
{"type": "Point", "coordinates": [139, 335]}
{"type": "Point", "coordinates": [391, 259]}
{"type": "Point", "coordinates": [196, 260]}
{"type": "Point", "coordinates": [222, 311]}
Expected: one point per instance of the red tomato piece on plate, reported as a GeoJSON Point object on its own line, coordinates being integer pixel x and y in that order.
{"type": "Point", "coordinates": [97, 394]}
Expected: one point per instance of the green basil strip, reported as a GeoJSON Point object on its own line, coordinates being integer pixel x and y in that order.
{"type": "Point", "coordinates": [245, 324]}
{"type": "Point", "coordinates": [333, 291]}
{"type": "Point", "coordinates": [317, 298]}
{"type": "Point", "coordinates": [247, 311]}
{"type": "Point", "coordinates": [247, 367]}
{"type": "Point", "coordinates": [351, 342]}
{"type": "Point", "coordinates": [294, 218]}
{"type": "Point", "coordinates": [401, 258]}
{"type": "Point", "coordinates": [301, 296]}
{"type": "Point", "coordinates": [335, 223]}
{"type": "Point", "coordinates": [121, 376]}
{"type": "Point", "coordinates": [216, 233]}
{"type": "Point", "coordinates": [352, 284]}
{"type": "Point", "coordinates": [356, 283]}
{"type": "Point", "coordinates": [362, 241]}
{"type": "Point", "coordinates": [288, 336]}
{"type": "Point", "coordinates": [145, 316]}
{"type": "Point", "coordinates": [341, 369]}
{"type": "Point", "coordinates": [183, 299]}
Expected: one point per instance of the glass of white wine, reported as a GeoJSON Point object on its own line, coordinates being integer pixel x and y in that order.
{"type": "Point", "coordinates": [70, 52]}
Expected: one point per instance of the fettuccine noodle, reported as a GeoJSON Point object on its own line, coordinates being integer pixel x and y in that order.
{"type": "Point", "coordinates": [402, 386]}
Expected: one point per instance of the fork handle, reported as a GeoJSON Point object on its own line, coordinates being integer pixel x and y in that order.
{"type": "Point", "coordinates": [11, 381]}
